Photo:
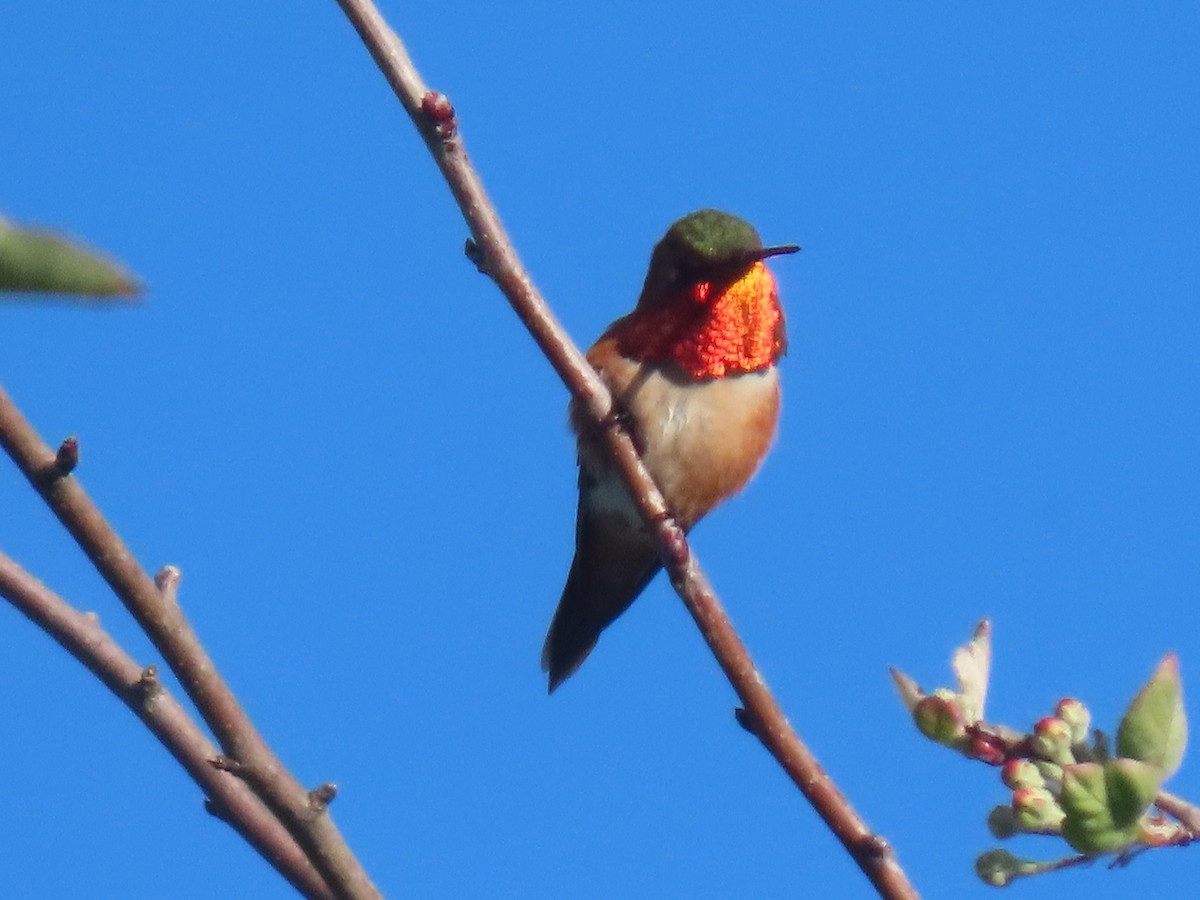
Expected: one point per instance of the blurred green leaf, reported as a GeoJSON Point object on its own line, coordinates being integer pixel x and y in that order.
{"type": "Point", "coordinates": [1132, 786]}
{"type": "Point", "coordinates": [1089, 825]}
{"type": "Point", "coordinates": [41, 262]}
{"type": "Point", "coordinates": [1154, 729]}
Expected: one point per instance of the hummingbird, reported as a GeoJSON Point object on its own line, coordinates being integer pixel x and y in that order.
{"type": "Point", "coordinates": [692, 371]}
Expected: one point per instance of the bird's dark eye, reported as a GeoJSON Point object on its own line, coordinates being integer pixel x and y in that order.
{"type": "Point", "coordinates": [684, 275]}
{"type": "Point", "coordinates": [678, 276]}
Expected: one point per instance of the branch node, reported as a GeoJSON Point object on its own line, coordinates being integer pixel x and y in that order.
{"type": "Point", "coordinates": [167, 581]}
{"type": "Point", "coordinates": [439, 115]}
{"type": "Point", "coordinates": [320, 797]}
{"type": "Point", "coordinates": [875, 846]}
{"type": "Point", "coordinates": [147, 686]}
{"type": "Point", "coordinates": [746, 719]}
{"type": "Point", "coordinates": [477, 257]}
{"type": "Point", "coordinates": [216, 810]}
{"type": "Point", "coordinates": [226, 764]}
{"type": "Point", "coordinates": [676, 543]}
{"type": "Point", "coordinates": [67, 457]}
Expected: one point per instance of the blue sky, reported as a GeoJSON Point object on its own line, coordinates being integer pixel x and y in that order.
{"type": "Point", "coordinates": [341, 434]}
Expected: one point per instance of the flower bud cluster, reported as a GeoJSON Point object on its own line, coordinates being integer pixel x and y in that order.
{"type": "Point", "coordinates": [1036, 782]}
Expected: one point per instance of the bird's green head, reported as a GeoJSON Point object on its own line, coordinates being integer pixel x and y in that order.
{"type": "Point", "coordinates": [703, 246]}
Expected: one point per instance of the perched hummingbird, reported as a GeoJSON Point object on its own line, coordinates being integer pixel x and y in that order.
{"type": "Point", "coordinates": [692, 373]}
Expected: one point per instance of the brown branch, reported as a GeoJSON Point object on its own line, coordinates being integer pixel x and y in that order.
{"type": "Point", "coordinates": [164, 623]}
{"type": "Point", "coordinates": [1187, 814]}
{"type": "Point", "coordinates": [81, 636]}
{"type": "Point", "coordinates": [492, 251]}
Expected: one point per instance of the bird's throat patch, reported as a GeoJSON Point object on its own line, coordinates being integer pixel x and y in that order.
{"type": "Point", "coordinates": [712, 328]}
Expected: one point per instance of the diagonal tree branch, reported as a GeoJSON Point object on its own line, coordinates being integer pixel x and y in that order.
{"type": "Point", "coordinates": [492, 251]}
{"type": "Point", "coordinates": [138, 688]}
{"type": "Point", "coordinates": [303, 813]}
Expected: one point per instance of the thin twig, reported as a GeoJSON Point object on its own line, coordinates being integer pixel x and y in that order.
{"type": "Point", "coordinates": [492, 251]}
{"type": "Point", "coordinates": [81, 636]}
{"type": "Point", "coordinates": [166, 626]}
{"type": "Point", "coordinates": [1187, 814]}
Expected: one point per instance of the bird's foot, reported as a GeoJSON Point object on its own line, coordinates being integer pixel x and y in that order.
{"type": "Point", "coordinates": [619, 417]}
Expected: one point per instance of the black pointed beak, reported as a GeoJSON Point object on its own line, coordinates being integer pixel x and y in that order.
{"type": "Point", "coordinates": [780, 250]}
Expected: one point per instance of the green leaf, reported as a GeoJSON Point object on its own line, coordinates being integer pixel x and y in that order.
{"type": "Point", "coordinates": [41, 262]}
{"type": "Point", "coordinates": [1154, 729]}
{"type": "Point", "coordinates": [1132, 786]}
{"type": "Point", "coordinates": [1089, 825]}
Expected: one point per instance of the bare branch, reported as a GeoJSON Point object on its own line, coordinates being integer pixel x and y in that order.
{"type": "Point", "coordinates": [138, 688]}
{"type": "Point", "coordinates": [1188, 814]}
{"type": "Point", "coordinates": [164, 623]}
{"type": "Point", "coordinates": [492, 252]}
